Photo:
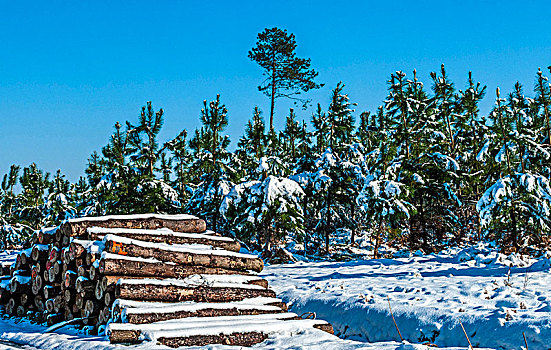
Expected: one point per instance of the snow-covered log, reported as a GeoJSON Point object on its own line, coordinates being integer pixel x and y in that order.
{"type": "Point", "coordinates": [166, 236]}
{"type": "Point", "coordinates": [178, 223]}
{"type": "Point", "coordinates": [196, 255]}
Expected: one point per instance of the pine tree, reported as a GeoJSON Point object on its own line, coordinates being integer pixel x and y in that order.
{"type": "Point", "coordinates": [59, 205]}
{"type": "Point", "coordinates": [543, 99]}
{"type": "Point", "coordinates": [209, 149]}
{"type": "Point", "coordinates": [286, 75]}
{"type": "Point", "coordinates": [11, 230]}
{"type": "Point", "coordinates": [515, 208]}
{"type": "Point", "coordinates": [182, 158]}
{"type": "Point", "coordinates": [340, 119]}
{"type": "Point", "coordinates": [252, 145]}
{"type": "Point", "coordinates": [290, 136]}
{"type": "Point", "coordinates": [471, 132]}
{"type": "Point", "coordinates": [142, 139]}
{"type": "Point", "coordinates": [321, 130]}
{"type": "Point", "coordinates": [265, 209]}
{"type": "Point", "coordinates": [34, 183]}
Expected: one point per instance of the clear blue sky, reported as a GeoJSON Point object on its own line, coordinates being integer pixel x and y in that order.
{"type": "Point", "coordinates": [70, 69]}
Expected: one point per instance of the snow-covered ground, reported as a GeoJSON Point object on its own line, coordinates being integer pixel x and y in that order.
{"type": "Point", "coordinates": [428, 294]}
{"type": "Point", "coordinates": [21, 333]}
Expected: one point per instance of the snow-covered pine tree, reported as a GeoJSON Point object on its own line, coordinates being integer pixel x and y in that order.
{"type": "Point", "coordinates": [34, 183]}
{"type": "Point", "coordinates": [12, 232]}
{"type": "Point", "coordinates": [182, 158]}
{"type": "Point", "coordinates": [340, 119]}
{"type": "Point", "coordinates": [542, 106]}
{"type": "Point", "coordinates": [432, 170]}
{"type": "Point", "coordinates": [59, 205]}
{"type": "Point", "coordinates": [470, 135]}
{"type": "Point", "coordinates": [265, 210]}
{"type": "Point", "coordinates": [383, 205]}
{"type": "Point", "coordinates": [252, 145]}
{"type": "Point", "coordinates": [210, 152]}
{"type": "Point", "coordinates": [543, 100]}
{"type": "Point", "coordinates": [142, 139]}
{"type": "Point", "coordinates": [124, 180]}
{"type": "Point", "coordinates": [290, 138]}
{"type": "Point", "coordinates": [515, 208]}
{"type": "Point", "coordinates": [321, 130]}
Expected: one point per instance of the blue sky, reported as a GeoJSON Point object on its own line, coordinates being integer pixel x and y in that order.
{"type": "Point", "coordinates": [70, 70]}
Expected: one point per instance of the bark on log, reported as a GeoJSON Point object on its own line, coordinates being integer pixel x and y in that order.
{"type": "Point", "coordinates": [194, 257]}
{"type": "Point", "coordinates": [173, 293]}
{"type": "Point", "coordinates": [237, 339]}
{"type": "Point", "coordinates": [126, 267]}
{"type": "Point", "coordinates": [150, 221]}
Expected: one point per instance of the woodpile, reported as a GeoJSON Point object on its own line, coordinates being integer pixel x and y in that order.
{"type": "Point", "coordinates": [163, 278]}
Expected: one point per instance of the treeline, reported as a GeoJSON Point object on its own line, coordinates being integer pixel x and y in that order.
{"type": "Point", "coordinates": [424, 170]}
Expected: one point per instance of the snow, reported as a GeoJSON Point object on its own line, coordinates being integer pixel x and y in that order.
{"type": "Point", "coordinates": [158, 232]}
{"type": "Point", "coordinates": [191, 282]}
{"type": "Point", "coordinates": [135, 217]}
{"type": "Point", "coordinates": [24, 333]}
{"type": "Point", "coordinates": [496, 297]}
{"type": "Point", "coordinates": [105, 255]}
{"type": "Point", "coordinates": [182, 248]}
{"type": "Point", "coordinates": [143, 307]}
{"type": "Point", "coordinates": [429, 294]}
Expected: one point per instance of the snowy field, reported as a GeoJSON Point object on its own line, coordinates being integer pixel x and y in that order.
{"type": "Point", "coordinates": [496, 297]}
{"type": "Point", "coordinates": [428, 295]}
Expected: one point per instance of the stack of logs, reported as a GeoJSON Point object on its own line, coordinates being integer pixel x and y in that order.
{"type": "Point", "coordinates": [146, 277]}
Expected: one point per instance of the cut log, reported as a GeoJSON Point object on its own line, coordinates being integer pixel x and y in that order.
{"type": "Point", "coordinates": [59, 302]}
{"type": "Point", "coordinates": [177, 290]}
{"type": "Point", "coordinates": [70, 279]}
{"type": "Point", "coordinates": [47, 235]}
{"type": "Point", "coordinates": [113, 264]}
{"type": "Point", "coordinates": [51, 291]}
{"type": "Point", "coordinates": [147, 312]}
{"type": "Point", "coordinates": [40, 252]}
{"type": "Point", "coordinates": [24, 257]}
{"type": "Point", "coordinates": [166, 236]}
{"type": "Point", "coordinates": [79, 302]}
{"type": "Point", "coordinates": [69, 296]}
{"type": "Point", "coordinates": [54, 254]}
{"type": "Point", "coordinates": [178, 223]}
{"type": "Point", "coordinates": [91, 308]}
{"type": "Point", "coordinates": [54, 319]}
{"type": "Point", "coordinates": [228, 330]}
{"type": "Point", "coordinates": [20, 284]}
{"type": "Point", "coordinates": [84, 284]}
{"type": "Point", "coordinates": [39, 303]}
{"type": "Point", "coordinates": [24, 299]}
{"type": "Point", "coordinates": [109, 298]}
{"type": "Point", "coordinates": [50, 305]}
{"type": "Point", "coordinates": [182, 254]}
{"type": "Point", "coordinates": [78, 248]}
